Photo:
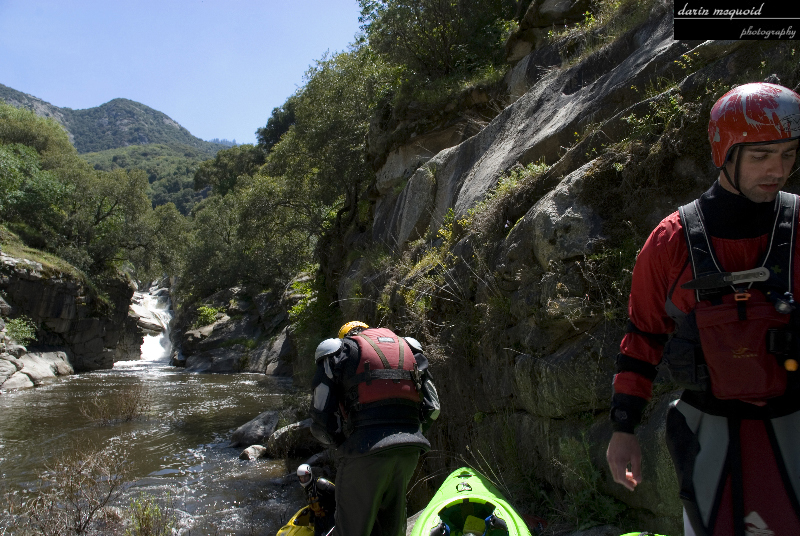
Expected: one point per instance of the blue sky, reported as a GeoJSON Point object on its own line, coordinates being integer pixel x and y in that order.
{"type": "Point", "coordinates": [217, 67]}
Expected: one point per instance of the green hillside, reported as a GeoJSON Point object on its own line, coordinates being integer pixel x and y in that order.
{"type": "Point", "coordinates": [122, 122]}
{"type": "Point", "coordinates": [117, 123]}
{"type": "Point", "coordinates": [170, 170]}
{"type": "Point", "coordinates": [124, 134]}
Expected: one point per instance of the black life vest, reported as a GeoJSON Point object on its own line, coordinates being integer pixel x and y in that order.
{"type": "Point", "coordinates": [321, 496]}
{"type": "Point", "coordinates": [735, 341]}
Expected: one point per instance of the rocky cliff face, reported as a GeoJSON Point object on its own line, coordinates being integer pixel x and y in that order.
{"type": "Point", "coordinates": [508, 253]}
{"type": "Point", "coordinates": [247, 334]}
{"type": "Point", "coordinates": [76, 329]}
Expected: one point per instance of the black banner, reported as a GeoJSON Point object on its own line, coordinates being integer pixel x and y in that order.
{"type": "Point", "coordinates": [727, 19]}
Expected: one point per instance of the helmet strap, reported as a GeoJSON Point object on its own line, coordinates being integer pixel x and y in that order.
{"type": "Point", "coordinates": [735, 181]}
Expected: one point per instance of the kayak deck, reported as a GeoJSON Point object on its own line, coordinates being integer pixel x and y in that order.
{"type": "Point", "coordinates": [464, 496]}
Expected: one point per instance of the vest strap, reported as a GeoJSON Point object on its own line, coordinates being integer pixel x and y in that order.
{"type": "Point", "coordinates": [779, 257]}
{"type": "Point", "coordinates": [378, 351]}
{"type": "Point", "coordinates": [379, 374]}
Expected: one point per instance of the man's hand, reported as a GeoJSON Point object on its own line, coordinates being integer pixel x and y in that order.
{"type": "Point", "coordinates": [623, 449]}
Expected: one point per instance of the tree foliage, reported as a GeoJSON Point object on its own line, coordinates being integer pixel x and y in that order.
{"type": "Point", "coordinates": [436, 38]}
{"type": "Point", "coordinates": [223, 172]}
{"type": "Point", "coordinates": [170, 170]}
{"type": "Point", "coordinates": [322, 156]}
{"type": "Point", "coordinates": [55, 201]}
{"type": "Point", "coordinates": [263, 222]}
{"type": "Point", "coordinates": [45, 136]}
{"type": "Point", "coordinates": [277, 125]}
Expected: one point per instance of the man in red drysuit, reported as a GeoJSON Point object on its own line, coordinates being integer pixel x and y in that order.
{"type": "Point", "coordinates": [712, 294]}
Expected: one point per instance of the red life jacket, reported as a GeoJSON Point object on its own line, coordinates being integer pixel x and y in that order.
{"type": "Point", "coordinates": [386, 370]}
{"type": "Point", "coordinates": [735, 341]}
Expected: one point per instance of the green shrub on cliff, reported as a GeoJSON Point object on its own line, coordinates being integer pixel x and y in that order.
{"type": "Point", "coordinates": [206, 315]}
{"type": "Point", "coordinates": [584, 504]}
{"type": "Point", "coordinates": [21, 330]}
{"type": "Point", "coordinates": [434, 38]}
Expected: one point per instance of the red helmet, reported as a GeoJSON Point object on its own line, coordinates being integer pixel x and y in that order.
{"type": "Point", "coordinates": [752, 114]}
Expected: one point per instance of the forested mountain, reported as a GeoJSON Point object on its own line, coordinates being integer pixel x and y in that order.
{"type": "Point", "coordinates": [54, 201]}
{"type": "Point", "coordinates": [123, 134]}
{"type": "Point", "coordinates": [117, 123]}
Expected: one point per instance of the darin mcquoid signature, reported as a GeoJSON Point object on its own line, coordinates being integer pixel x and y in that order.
{"type": "Point", "coordinates": [686, 11]}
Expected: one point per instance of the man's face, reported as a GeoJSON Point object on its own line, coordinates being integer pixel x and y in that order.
{"type": "Point", "coordinates": [763, 169]}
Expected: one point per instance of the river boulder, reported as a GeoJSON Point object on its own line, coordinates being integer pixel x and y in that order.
{"type": "Point", "coordinates": [253, 452]}
{"type": "Point", "coordinates": [293, 440]}
{"type": "Point", "coordinates": [32, 369]}
{"type": "Point", "coordinates": [9, 365]}
{"type": "Point", "coordinates": [256, 431]}
{"type": "Point", "coordinates": [249, 334]}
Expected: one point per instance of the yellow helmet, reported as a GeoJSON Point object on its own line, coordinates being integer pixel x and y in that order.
{"type": "Point", "coordinates": [351, 325]}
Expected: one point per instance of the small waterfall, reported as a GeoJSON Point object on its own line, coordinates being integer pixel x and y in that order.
{"type": "Point", "coordinates": [154, 312]}
{"type": "Point", "coordinates": [157, 347]}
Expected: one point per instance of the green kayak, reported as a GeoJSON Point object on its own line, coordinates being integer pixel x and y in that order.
{"type": "Point", "coordinates": [467, 503]}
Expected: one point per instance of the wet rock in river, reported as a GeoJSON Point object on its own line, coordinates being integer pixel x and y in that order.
{"type": "Point", "coordinates": [255, 432]}
{"type": "Point", "coordinates": [32, 369]}
{"type": "Point", "coordinates": [253, 452]}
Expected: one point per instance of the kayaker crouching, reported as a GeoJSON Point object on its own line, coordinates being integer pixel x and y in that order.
{"type": "Point", "coordinates": [373, 398]}
{"type": "Point", "coordinates": [321, 496]}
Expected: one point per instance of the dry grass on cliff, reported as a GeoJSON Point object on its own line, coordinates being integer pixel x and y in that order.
{"type": "Point", "coordinates": [601, 25]}
{"type": "Point", "coordinates": [492, 217]}
{"type": "Point", "coordinates": [52, 265]}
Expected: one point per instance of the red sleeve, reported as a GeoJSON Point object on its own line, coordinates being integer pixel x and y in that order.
{"type": "Point", "coordinates": [658, 265]}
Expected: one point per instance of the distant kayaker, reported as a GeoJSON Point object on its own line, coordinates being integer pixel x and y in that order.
{"type": "Point", "coordinates": [712, 293]}
{"type": "Point", "coordinates": [373, 399]}
{"type": "Point", "coordinates": [321, 495]}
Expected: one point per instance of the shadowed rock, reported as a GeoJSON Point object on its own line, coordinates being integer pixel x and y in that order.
{"type": "Point", "coordinates": [255, 432]}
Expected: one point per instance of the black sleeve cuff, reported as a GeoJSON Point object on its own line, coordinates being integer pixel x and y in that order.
{"type": "Point", "coordinates": [626, 412]}
{"type": "Point", "coordinates": [631, 364]}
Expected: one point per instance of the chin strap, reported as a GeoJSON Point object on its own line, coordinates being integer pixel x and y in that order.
{"type": "Point", "coordinates": [735, 181]}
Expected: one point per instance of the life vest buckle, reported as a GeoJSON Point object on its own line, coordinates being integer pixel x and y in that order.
{"type": "Point", "coordinates": [741, 295]}
{"type": "Point", "coordinates": [416, 377]}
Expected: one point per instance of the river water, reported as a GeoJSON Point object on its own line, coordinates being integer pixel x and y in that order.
{"type": "Point", "coordinates": [178, 450]}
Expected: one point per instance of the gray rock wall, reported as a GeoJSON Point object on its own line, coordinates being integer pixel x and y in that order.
{"type": "Point", "coordinates": [250, 334]}
{"type": "Point", "coordinates": [539, 125]}
{"type": "Point", "coordinates": [522, 340]}
{"type": "Point", "coordinates": [82, 329]}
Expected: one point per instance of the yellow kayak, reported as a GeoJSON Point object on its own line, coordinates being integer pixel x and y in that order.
{"type": "Point", "coordinates": [298, 525]}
